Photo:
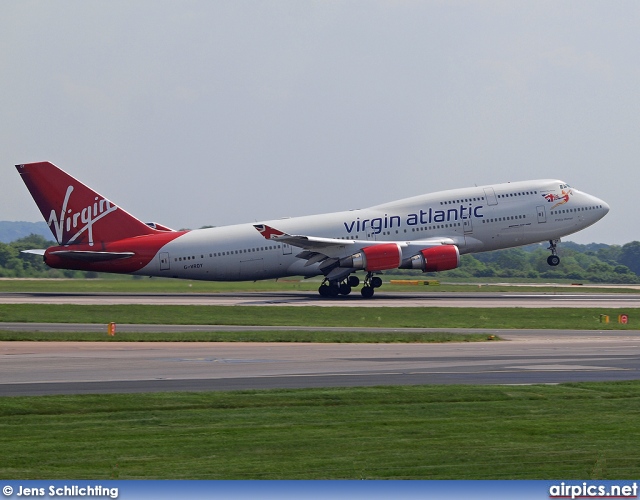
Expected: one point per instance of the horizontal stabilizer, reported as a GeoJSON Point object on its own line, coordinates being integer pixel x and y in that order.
{"type": "Point", "coordinates": [35, 251]}
{"type": "Point", "coordinates": [89, 256]}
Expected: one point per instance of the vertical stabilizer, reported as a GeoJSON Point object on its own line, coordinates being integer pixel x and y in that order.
{"type": "Point", "coordinates": [76, 214]}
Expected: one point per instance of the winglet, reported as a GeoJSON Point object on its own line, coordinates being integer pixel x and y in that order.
{"type": "Point", "coordinates": [268, 232]}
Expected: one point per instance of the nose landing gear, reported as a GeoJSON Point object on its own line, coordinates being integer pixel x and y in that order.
{"type": "Point", "coordinates": [553, 259]}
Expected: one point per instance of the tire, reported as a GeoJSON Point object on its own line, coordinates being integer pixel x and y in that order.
{"type": "Point", "coordinates": [353, 281]}
{"type": "Point", "coordinates": [376, 282]}
{"type": "Point", "coordinates": [367, 292]}
{"type": "Point", "coordinates": [345, 289]}
{"type": "Point", "coordinates": [553, 260]}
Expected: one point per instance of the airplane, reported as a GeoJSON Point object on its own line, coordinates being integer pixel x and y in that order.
{"type": "Point", "coordinates": [427, 232]}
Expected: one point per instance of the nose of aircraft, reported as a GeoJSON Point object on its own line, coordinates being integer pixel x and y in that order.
{"type": "Point", "coordinates": [598, 202]}
{"type": "Point", "coordinates": [602, 207]}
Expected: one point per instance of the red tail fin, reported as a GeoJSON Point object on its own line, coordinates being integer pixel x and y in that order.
{"type": "Point", "coordinates": [76, 214]}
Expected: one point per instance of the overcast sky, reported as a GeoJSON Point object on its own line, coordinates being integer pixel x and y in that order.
{"type": "Point", "coordinates": [212, 113]}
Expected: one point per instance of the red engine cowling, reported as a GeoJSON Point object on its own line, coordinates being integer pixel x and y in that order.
{"type": "Point", "coordinates": [375, 258]}
{"type": "Point", "coordinates": [433, 259]}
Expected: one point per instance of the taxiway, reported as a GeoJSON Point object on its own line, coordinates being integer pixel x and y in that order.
{"type": "Point", "coordinates": [525, 357]}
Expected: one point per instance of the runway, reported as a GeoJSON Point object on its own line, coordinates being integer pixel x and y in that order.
{"type": "Point", "coordinates": [525, 357]}
{"type": "Point", "coordinates": [381, 299]}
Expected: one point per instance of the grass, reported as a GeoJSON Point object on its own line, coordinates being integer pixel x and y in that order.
{"type": "Point", "coordinates": [248, 336]}
{"type": "Point", "coordinates": [571, 431]}
{"type": "Point", "coordinates": [389, 317]}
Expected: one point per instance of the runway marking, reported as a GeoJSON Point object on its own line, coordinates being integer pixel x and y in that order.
{"type": "Point", "coordinates": [219, 360]}
{"type": "Point", "coordinates": [561, 368]}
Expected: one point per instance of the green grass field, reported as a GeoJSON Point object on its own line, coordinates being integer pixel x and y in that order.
{"type": "Point", "coordinates": [573, 431]}
{"type": "Point", "coordinates": [389, 317]}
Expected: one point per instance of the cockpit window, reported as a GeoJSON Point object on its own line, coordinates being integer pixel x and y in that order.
{"type": "Point", "coordinates": [565, 186]}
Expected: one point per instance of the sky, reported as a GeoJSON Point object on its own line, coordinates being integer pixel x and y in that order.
{"type": "Point", "coordinates": [193, 113]}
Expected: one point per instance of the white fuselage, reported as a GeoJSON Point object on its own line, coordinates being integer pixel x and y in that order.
{"type": "Point", "coordinates": [475, 219]}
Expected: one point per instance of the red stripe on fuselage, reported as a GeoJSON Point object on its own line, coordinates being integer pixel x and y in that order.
{"type": "Point", "coordinates": [144, 247]}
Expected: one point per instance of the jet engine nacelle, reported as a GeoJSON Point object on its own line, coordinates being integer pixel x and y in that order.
{"type": "Point", "coordinates": [439, 258]}
{"type": "Point", "coordinates": [375, 258]}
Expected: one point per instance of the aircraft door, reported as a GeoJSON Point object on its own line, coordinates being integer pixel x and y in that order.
{"type": "Point", "coordinates": [490, 196]}
{"type": "Point", "coordinates": [286, 249]}
{"type": "Point", "coordinates": [164, 261]}
{"type": "Point", "coordinates": [467, 224]}
{"type": "Point", "coordinates": [542, 214]}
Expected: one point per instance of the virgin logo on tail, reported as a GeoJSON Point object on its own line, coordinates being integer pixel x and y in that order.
{"type": "Point", "coordinates": [68, 220]}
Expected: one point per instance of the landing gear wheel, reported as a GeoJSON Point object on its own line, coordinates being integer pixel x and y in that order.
{"type": "Point", "coordinates": [371, 282]}
{"type": "Point", "coordinates": [333, 290]}
{"type": "Point", "coordinates": [553, 259]}
{"type": "Point", "coordinates": [353, 281]}
{"type": "Point", "coordinates": [328, 289]}
{"type": "Point", "coordinates": [345, 289]}
{"type": "Point", "coordinates": [367, 292]}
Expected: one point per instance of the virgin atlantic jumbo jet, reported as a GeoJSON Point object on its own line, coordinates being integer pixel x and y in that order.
{"type": "Point", "coordinates": [427, 232]}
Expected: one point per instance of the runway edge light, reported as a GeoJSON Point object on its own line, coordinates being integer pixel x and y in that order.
{"type": "Point", "coordinates": [111, 329]}
{"type": "Point", "coordinates": [623, 319]}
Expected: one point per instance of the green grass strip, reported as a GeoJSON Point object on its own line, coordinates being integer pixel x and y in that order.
{"type": "Point", "coordinates": [388, 317]}
{"type": "Point", "coordinates": [569, 431]}
{"type": "Point", "coordinates": [248, 336]}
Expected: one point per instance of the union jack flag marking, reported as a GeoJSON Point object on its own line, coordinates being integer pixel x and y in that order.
{"type": "Point", "coordinates": [268, 232]}
{"type": "Point", "coordinates": [560, 199]}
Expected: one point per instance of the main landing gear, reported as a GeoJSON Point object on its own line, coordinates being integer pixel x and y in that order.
{"type": "Point", "coordinates": [553, 259]}
{"type": "Point", "coordinates": [371, 282]}
{"type": "Point", "coordinates": [336, 288]}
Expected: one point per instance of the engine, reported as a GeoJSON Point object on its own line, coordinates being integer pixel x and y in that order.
{"type": "Point", "coordinates": [433, 259]}
{"type": "Point", "coordinates": [375, 258]}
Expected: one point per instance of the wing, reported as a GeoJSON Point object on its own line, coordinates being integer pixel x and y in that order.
{"type": "Point", "coordinates": [330, 247]}
{"type": "Point", "coordinates": [326, 252]}
{"type": "Point", "coordinates": [332, 252]}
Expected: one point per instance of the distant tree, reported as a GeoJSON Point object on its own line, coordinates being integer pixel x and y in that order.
{"type": "Point", "coordinates": [32, 264]}
{"type": "Point", "coordinates": [6, 252]}
{"type": "Point", "coordinates": [630, 256]}
{"type": "Point", "coordinates": [32, 241]}
{"type": "Point", "coordinates": [513, 258]}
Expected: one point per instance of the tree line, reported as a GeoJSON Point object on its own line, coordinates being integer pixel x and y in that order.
{"type": "Point", "coordinates": [594, 263]}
